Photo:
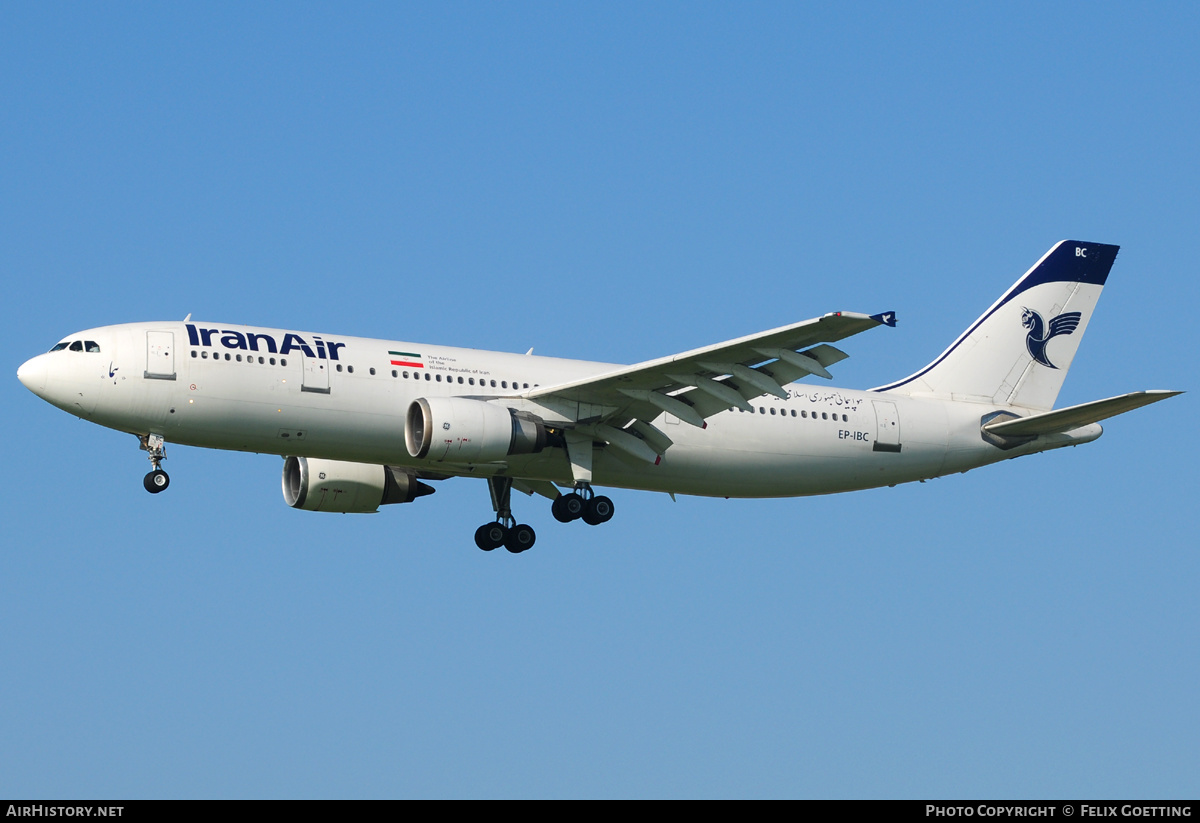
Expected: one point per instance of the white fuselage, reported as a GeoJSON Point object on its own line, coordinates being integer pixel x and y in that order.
{"type": "Point", "coordinates": [344, 398]}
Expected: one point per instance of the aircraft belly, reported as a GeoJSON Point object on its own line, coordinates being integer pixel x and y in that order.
{"type": "Point", "coordinates": [291, 427]}
{"type": "Point", "coordinates": [743, 455]}
{"type": "Point", "coordinates": [716, 472]}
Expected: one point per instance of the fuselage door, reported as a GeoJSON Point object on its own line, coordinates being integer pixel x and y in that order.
{"type": "Point", "coordinates": [160, 355]}
{"type": "Point", "coordinates": [887, 431]}
{"type": "Point", "coordinates": [316, 375]}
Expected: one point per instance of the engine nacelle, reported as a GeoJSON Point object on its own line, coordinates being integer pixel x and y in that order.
{"type": "Point", "coordinates": [335, 486]}
{"type": "Point", "coordinates": [461, 430]}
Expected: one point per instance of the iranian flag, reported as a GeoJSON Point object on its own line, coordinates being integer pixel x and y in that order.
{"type": "Point", "coordinates": [406, 358]}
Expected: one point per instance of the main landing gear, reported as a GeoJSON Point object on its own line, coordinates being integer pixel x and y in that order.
{"type": "Point", "coordinates": [157, 480]}
{"type": "Point", "coordinates": [506, 532]}
{"type": "Point", "coordinates": [580, 504]}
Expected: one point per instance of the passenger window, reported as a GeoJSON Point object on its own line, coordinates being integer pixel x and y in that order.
{"type": "Point", "coordinates": [393, 372]}
{"type": "Point", "coordinates": [372, 371]}
{"type": "Point", "coordinates": [339, 367]}
{"type": "Point", "coordinates": [283, 361]}
{"type": "Point", "coordinates": [239, 358]}
{"type": "Point", "coordinates": [493, 384]}
{"type": "Point", "coordinates": [194, 355]}
{"type": "Point", "coordinates": [793, 412]}
{"type": "Point", "coordinates": [824, 416]}
{"type": "Point", "coordinates": [272, 361]}
{"type": "Point", "coordinates": [427, 377]}
{"type": "Point", "coordinates": [204, 355]}
{"type": "Point", "coordinates": [439, 378]}
{"type": "Point", "coordinates": [460, 381]}
{"type": "Point", "coordinates": [227, 357]}
{"type": "Point", "coordinates": [471, 380]}
{"type": "Point", "coordinates": [350, 369]}
{"type": "Point", "coordinates": [772, 411]}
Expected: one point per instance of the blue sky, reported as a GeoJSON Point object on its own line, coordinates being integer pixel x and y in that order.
{"type": "Point", "coordinates": [614, 182]}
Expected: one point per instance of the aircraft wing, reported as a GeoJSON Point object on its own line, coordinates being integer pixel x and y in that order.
{"type": "Point", "coordinates": [618, 407]}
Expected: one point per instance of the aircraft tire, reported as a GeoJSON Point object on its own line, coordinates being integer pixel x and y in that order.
{"type": "Point", "coordinates": [567, 507]}
{"type": "Point", "coordinates": [490, 536]}
{"type": "Point", "coordinates": [520, 538]}
{"type": "Point", "coordinates": [598, 510]}
{"type": "Point", "coordinates": [156, 481]}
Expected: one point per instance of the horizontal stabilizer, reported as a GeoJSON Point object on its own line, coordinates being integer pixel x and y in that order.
{"type": "Point", "coordinates": [1072, 417]}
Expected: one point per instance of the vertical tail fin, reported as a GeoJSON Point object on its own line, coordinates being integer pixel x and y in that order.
{"type": "Point", "coordinates": [1019, 351]}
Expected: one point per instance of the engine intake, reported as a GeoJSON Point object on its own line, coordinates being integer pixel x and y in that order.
{"type": "Point", "coordinates": [335, 486]}
{"type": "Point", "coordinates": [461, 430]}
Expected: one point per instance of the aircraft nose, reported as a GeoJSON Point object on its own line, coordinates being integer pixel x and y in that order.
{"type": "Point", "coordinates": [33, 374]}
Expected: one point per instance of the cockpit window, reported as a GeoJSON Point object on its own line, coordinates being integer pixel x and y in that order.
{"type": "Point", "coordinates": [77, 345]}
{"type": "Point", "coordinates": [92, 346]}
{"type": "Point", "coordinates": [61, 346]}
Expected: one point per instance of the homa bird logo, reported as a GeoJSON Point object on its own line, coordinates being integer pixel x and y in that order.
{"type": "Point", "coordinates": [1039, 336]}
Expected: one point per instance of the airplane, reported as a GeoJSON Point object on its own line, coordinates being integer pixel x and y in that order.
{"type": "Point", "coordinates": [364, 423]}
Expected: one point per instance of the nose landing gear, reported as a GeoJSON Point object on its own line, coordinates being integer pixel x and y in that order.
{"type": "Point", "coordinates": [157, 480]}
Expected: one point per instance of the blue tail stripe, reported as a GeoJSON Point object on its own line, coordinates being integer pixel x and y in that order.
{"type": "Point", "coordinates": [1070, 261]}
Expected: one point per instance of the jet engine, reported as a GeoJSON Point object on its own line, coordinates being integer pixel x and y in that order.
{"type": "Point", "coordinates": [335, 486]}
{"type": "Point", "coordinates": [461, 430]}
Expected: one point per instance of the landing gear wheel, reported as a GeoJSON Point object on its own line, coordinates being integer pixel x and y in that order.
{"type": "Point", "coordinates": [520, 538]}
{"type": "Point", "coordinates": [156, 481]}
{"type": "Point", "coordinates": [598, 510]}
{"type": "Point", "coordinates": [567, 507]}
{"type": "Point", "coordinates": [490, 536]}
